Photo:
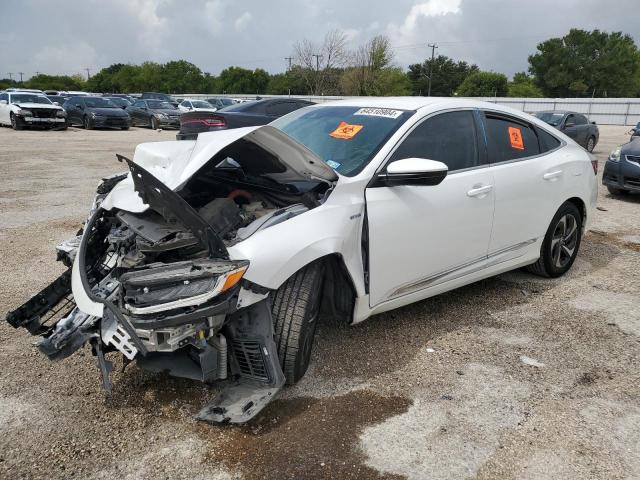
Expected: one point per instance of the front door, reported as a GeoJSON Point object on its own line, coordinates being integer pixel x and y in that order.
{"type": "Point", "coordinates": [420, 236]}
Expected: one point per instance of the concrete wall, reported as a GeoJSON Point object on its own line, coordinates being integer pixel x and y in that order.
{"type": "Point", "coordinates": [605, 111]}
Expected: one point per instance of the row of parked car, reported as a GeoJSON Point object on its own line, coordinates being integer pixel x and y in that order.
{"type": "Point", "coordinates": [20, 108]}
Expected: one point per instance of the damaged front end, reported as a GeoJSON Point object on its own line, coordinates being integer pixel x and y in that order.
{"type": "Point", "coordinates": [158, 286]}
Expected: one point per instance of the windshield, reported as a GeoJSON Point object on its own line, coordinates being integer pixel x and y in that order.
{"type": "Point", "coordinates": [551, 118]}
{"type": "Point", "coordinates": [346, 138]}
{"type": "Point", "coordinates": [160, 105]}
{"type": "Point", "coordinates": [201, 104]}
{"type": "Point", "coordinates": [120, 102]}
{"type": "Point", "coordinates": [97, 102]}
{"type": "Point", "coordinates": [243, 107]}
{"type": "Point", "coordinates": [29, 98]}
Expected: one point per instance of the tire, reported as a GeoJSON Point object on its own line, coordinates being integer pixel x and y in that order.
{"type": "Point", "coordinates": [154, 123]}
{"type": "Point", "coordinates": [561, 243]}
{"type": "Point", "coordinates": [16, 123]}
{"type": "Point", "coordinates": [86, 123]}
{"type": "Point", "coordinates": [616, 191]}
{"type": "Point", "coordinates": [124, 128]}
{"type": "Point", "coordinates": [591, 144]}
{"type": "Point", "coordinates": [295, 310]}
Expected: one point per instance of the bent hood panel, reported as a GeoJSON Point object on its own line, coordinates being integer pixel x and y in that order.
{"type": "Point", "coordinates": [175, 162]}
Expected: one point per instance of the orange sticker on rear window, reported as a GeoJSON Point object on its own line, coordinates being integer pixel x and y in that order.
{"type": "Point", "coordinates": [346, 131]}
{"type": "Point", "coordinates": [515, 137]}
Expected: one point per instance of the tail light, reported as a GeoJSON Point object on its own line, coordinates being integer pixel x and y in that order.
{"type": "Point", "coordinates": [209, 121]}
{"type": "Point", "coordinates": [594, 164]}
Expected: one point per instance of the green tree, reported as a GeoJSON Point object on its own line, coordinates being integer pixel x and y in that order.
{"type": "Point", "coordinates": [180, 76]}
{"type": "Point", "coordinates": [56, 82]}
{"type": "Point", "coordinates": [523, 86]}
{"type": "Point", "coordinates": [7, 83]}
{"type": "Point", "coordinates": [483, 84]}
{"type": "Point", "coordinates": [242, 80]}
{"type": "Point", "coordinates": [446, 76]}
{"type": "Point", "coordinates": [586, 63]}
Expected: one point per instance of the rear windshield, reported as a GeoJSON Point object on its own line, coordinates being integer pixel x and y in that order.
{"type": "Point", "coordinates": [551, 118]}
{"type": "Point", "coordinates": [200, 104]}
{"type": "Point", "coordinates": [346, 138]}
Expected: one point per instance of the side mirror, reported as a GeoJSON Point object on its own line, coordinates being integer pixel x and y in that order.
{"type": "Point", "coordinates": [56, 104]}
{"type": "Point", "coordinates": [78, 106]}
{"type": "Point", "coordinates": [569, 125]}
{"type": "Point", "coordinates": [412, 171]}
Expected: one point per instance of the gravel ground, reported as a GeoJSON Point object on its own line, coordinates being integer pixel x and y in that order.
{"type": "Point", "coordinates": [514, 377]}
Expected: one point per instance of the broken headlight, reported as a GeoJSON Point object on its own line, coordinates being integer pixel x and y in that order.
{"type": "Point", "coordinates": [162, 287]}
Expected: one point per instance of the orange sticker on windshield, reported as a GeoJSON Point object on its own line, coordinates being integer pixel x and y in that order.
{"type": "Point", "coordinates": [515, 137]}
{"type": "Point", "coordinates": [346, 131]}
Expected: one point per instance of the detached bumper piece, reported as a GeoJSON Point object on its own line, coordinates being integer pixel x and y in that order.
{"type": "Point", "coordinates": [255, 365]}
{"type": "Point", "coordinates": [43, 311]}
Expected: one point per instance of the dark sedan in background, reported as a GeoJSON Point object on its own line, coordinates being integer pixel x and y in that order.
{"type": "Point", "coordinates": [635, 132]}
{"type": "Point", "coordinates": [159, 96]}
{"type": "Point", "coordinates": [621, 173]}
{"type": "Point", "coordinates": [574, 125]}
{"type": "Point", "coordinates": [246, 114]}
{"type": "Point", "coordinates": [119, 102]}
{"type": "Point", "coordinates": [92, 112]}
{"type": "Point", "coordinates": [154, 114]}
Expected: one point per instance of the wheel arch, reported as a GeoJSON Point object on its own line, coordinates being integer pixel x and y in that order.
{"type": "Point", "coordinates": [581, 206]}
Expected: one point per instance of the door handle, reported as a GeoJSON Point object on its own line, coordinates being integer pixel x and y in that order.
{"type": "Point", "coordinates": [552, 175]}
{"type": "Point", "coordinates": [479, 190]}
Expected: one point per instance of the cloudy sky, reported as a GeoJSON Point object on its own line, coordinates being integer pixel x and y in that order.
{"type": "Point", "coordinates": [67, 36]}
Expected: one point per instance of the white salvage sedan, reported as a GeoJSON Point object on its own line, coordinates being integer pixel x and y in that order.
{"type": "Point", "coordinates": [212, 259]}
{"type": "Point", "coordinates": [20, 109]}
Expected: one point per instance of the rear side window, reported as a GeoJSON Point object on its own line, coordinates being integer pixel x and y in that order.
{"type": "Point", "coordinates": [449, 138]}
{"type": "Point", "coordinates": [547, 141]}
{"type": "Point", "coordinates": [581, 120]}
{"type": "Point", "coordinates": [509, 139]}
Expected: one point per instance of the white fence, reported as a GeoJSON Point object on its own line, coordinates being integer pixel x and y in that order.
{"type": "Point", "coordinates": [605, 111]}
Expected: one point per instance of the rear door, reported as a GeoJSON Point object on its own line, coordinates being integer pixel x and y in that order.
{"type": "Point", "coordinates": [570, 129]}
{"type": "Point", "coordinates": [420, 236]}
{"type": "Point", "coordinates": [583, 128]}
{"type": "Point", "coordinates": [529, 183]}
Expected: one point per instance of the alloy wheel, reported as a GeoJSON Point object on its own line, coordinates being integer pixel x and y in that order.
{"type": "Point", "coordinates": [590, 144]}
{"type": "Point", "coordinates": [564, 240]}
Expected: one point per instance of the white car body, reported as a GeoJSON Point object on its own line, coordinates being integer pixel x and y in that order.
{"type": "Point", "coordinates": [408, 262]}
{"type": "Point", "coordinates": [30, 113]}
{"type": "Point", "coordinates": [195, 105]}
{"type": "Point", "coordinates": [393, 230]}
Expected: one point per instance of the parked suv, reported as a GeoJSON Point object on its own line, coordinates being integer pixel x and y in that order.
{"type": "Point", "coordinates": [21, 108]}
{"type": "Point", "coordinates": [621, 173]}
{"type": "Point", "coordinates": [212, 259]}
{"type": "Point", "coordinates": [573, 125]}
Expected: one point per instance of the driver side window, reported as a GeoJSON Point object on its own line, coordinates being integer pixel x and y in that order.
{"type": "Point", "coordinates": [449, 138]}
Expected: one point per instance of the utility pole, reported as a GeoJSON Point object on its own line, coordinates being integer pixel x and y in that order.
{"type": "Point", "coordinates": [289, 60]}
{"type": "Point", "coordinates": [10, 76]}
{"type": "Point", "coordinates": [87, 70]}
{"type": "Point", "coordinates": [317, 72]}
{"type": "Point", "coordinates": [433, 55]}
{"type": "Point", "coordinates": [20, 73]}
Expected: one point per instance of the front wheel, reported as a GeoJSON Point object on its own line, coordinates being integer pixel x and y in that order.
{"type": "Point", "coordinates": [154, 123]}
{"type": "Point", "coordinates": [561, 243]}
{"type": "Point", "coordinates": [296, 308]}
{"type": "Point", "coordinates": [16, 123]}
{"type": "Point", "coordinates": [86, 123]}
{"type": "Point", "coordinates": [591, 144]}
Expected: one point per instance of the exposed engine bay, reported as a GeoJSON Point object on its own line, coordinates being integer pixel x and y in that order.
{"type": "Point", "coordinates": [168, 288]}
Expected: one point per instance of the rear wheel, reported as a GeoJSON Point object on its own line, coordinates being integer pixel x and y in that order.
{"type": "Point", "coordinates": [616, 191]}
{"type": "Point", "coordinates": [296, 308]}
{"type": "Point", "coordinates": [561, 243]}
{"type": "Point", "coordinates": [591, 144]}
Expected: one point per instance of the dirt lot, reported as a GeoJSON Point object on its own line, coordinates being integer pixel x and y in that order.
{"type": "Point", "coordinates": [514, 377]}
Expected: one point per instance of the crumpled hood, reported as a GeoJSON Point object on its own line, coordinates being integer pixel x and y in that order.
{"type": "Point", "coordinates": [175, 162]}
{"type": "Point", "coordinates": [36, 105]}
